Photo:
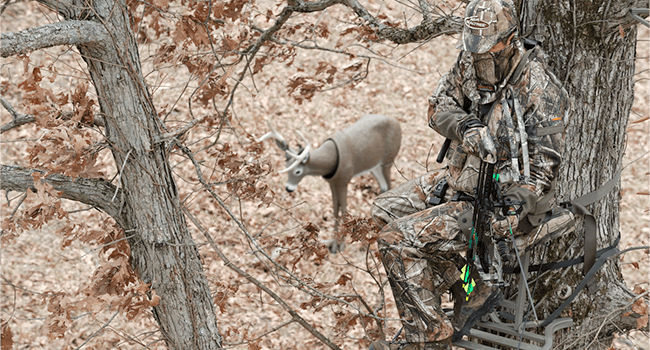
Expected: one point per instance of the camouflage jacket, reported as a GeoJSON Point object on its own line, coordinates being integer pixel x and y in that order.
{"type": "Point", "coordinates": [533, 107]}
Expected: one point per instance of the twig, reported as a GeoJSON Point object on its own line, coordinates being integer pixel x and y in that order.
{"type": "Point", "coordinates": [644, 294]}
{"type": "Point", "coordinates": [14, 304]}
{"type": "Point", "coordinates": [260, 285]}
{"type": "Point", "coordinates": [17, 119]}
{"type": "Point", "coordinates": [5, 4]}
{"type": "Point", "coordinates": [99, 330]}
{"type": "Point", "coordinates": [283, 324]}
{"type": "Point", "coordinates": [117, 188]}
{"type": "Point", "coordinates": [20, 202]}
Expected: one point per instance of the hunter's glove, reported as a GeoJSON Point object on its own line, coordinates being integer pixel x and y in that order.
{"type": "Point", "coordinates": [478, 141]}
{"type": "Point", "coordinates": [503, 226]}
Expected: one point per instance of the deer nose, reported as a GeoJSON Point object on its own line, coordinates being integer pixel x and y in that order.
{"type": "Point", "coordinates": [290, 188]}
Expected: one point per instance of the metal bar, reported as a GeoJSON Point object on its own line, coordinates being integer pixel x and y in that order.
{"type": "Point", "coordinates": [472, 346]}
{"type": "Point", "coordinates": [558, 323]}
{"type": "Point", "coordinates": [521, 297]}
{"type": "Point", "coordinates": [495, 339]}
{"type": "Point", "coordinates": [509, 329]}
{"type": "Point", "coordinates": [635, 12]}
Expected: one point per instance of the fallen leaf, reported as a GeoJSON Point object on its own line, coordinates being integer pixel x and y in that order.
{"type": "Point", "coordinates": [642, 322]}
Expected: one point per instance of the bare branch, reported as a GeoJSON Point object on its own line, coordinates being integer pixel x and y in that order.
{"type": "Point", "coordinates": [428, 29]}
{"type": "Point", "coordinates": [179, 132]}
{"type": "Point", "coordinates": [312, 6]}
{"type": "Point", "coordinates": [17, 119]}
{"type": "Point", "coordinates": [5, 4]}
{"type": "Point", "coordinates": [62, 7]}
{"type": "Point", "coordinates": [95, 192]}
{"type": "Point", "coordinates": [60, 33]}
{"type": "Point", "coordinates": [97, 331]}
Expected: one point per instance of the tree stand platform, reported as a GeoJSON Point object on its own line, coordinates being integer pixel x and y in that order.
{"type": "Point", "coordinates": [508, 325]}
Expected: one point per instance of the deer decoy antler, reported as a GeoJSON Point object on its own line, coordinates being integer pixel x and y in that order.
{"type": "Point", "coordinates": [298, 158]}
{"type": "Point", "coordinates": [279, 140]}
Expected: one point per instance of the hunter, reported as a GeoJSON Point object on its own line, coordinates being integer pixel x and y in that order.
{"type": "Point", "coordinates": [498, 104]}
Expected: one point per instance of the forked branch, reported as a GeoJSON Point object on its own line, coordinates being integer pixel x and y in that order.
{"type": "Point", "coordinates": [17, 119]}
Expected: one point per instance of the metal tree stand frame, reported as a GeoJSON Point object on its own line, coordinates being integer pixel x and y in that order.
{"type": "Point", "coordinates": [508, 326]}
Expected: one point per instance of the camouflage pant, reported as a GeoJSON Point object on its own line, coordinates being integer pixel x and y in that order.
{"type": "Point", "coordinates": [420, 249]}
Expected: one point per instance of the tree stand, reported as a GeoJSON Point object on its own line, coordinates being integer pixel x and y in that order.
{"type": "Point", "coordinates": [508, 325]}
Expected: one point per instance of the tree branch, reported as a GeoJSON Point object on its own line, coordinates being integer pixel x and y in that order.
{"type": "Point", "coordinates": [95, 192]}
{"type": "Point", "coordinates": [428, 29]}
{"type": "Point", "coordinates": [60, 33]}
{"type": "Point", "coordinates": [313, 6]}
{"type": "Point", "coordinates": [17, 119]}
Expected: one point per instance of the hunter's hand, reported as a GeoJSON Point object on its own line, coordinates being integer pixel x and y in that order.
{"type": "Point", "coordinates": [479, 142]}
{"type": "Point", "coordinates": [502, 227]}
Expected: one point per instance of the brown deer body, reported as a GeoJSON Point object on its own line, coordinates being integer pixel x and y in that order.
{"type": "Point", "coordinates": [369, 145]}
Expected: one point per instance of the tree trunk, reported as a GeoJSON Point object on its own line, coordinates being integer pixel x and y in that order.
{"type": "Point", "coordinates": [163, 251]}
{"type": "Point", "coordinates": [591, 45]}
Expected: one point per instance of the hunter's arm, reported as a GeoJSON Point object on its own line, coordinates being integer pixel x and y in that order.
{"type": "Point", "coordinates": [448, 105]}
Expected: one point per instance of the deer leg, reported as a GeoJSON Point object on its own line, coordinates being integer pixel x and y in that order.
{"type": "Point", "coordinates": [385, 170]}
{"type": "Point", "coordinates": [335, 206]}
{"type": "Point", "coordinates": [382, 174]}
{"type": "Point", "coordinates": [339, 202]}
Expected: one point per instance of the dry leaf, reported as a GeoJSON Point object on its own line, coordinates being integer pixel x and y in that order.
{"type": "Point", "coordinates": [640, 307]}
{"type": "Point", "coordinates": [344, 279]}
{"type": "Point", "coordinates": [642, 322]}
{"type": "Point", "coordinates": [6, 338]}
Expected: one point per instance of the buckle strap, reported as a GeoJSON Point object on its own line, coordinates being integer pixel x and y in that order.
{"type": "Point", "coordinates": [560, 264]}
{"type": "Point", "coordinates": [592, 271]}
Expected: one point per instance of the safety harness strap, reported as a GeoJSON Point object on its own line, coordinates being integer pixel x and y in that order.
{"type": "Point", "coordinates": [539, 268]}
{"type": "Point", "coordinates": [592, 271]}
{"type": "Point", "coordinates": [579, 206]}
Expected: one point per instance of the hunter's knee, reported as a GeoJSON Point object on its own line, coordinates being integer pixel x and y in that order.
{"type": "Point", "coordinates": [389, 235]}
{"type": "Point", "coordinates": [379, 211]}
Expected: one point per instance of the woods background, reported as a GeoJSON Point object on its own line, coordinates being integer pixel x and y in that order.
{"type": "Point", "coordinates": [66, 278]}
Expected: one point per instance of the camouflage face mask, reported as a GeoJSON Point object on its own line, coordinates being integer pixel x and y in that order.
{"type": "Point", "coordinates": [492, 67]}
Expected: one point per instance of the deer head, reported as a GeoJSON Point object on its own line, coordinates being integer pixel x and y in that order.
{"type": "Point", "coordinates": [296, 161]}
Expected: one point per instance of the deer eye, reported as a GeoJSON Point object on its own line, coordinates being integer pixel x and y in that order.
{"type": "Point", "coordinates": [298, 172]}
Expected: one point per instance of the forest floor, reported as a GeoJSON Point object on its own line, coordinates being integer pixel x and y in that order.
{"type": "Point", "coordinates": [34, 263]}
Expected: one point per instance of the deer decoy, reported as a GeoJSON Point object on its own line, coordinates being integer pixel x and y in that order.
{"type": "Point", "coordinates": [369, 145]}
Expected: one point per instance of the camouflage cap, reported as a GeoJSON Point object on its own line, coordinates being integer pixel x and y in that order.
{"type": "Point", "coordinates": [486, 23]}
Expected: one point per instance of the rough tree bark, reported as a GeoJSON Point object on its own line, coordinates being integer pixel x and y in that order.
{"type": "Point", "coordinates": [591, 45]}
{"type": "Point", "coordinates": [163, 252]}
